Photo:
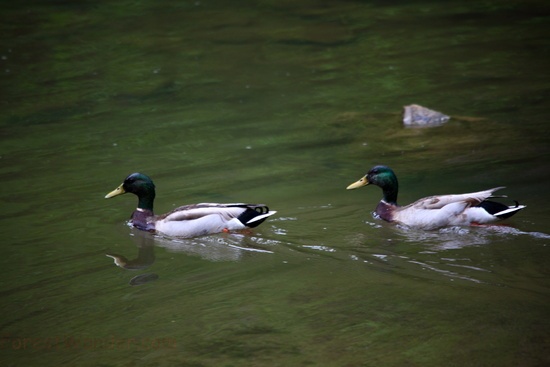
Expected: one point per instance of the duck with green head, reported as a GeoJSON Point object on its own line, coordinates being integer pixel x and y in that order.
{"type": "Point", "coordinates": [188, 220]}
{"type": "Point", "coordinates": [434, 211]}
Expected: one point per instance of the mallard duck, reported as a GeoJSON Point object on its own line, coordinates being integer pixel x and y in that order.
{"type": "Point", "coordinates": [434, 211]}
{"type": "Point", "coordinates": [188, 220]}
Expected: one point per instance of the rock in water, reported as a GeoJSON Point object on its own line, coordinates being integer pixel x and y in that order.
{"type": "Point", "coordinates": [416, 115]}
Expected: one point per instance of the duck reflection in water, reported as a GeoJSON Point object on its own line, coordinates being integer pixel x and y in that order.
{"type": "Point", "coordinates": [219, 247]}
{"type": "Point", "coordinates": [145, 258]}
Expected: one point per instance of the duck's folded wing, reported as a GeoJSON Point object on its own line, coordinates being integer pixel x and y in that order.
{"type": "Point", "coordinates": [195, 211]}
{"type": "Point", "coordinates": [439, 201]}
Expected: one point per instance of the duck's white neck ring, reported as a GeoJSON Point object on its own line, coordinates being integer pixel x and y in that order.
{"type": "Point", "coordinates": [140, 210]}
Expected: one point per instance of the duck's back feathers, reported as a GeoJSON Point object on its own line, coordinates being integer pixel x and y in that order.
{"type": "Point", "coordinates": [439, 201]}
{"type": "Point", "coordinates": [228, 211]}
{"type": "Point", "coordinates": [461, 209]}
{"type": "Point", "coordinates": [204, 218]}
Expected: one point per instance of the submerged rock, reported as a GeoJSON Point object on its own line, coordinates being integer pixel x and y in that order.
{"type": "Point", "coordinates": [416, 115]}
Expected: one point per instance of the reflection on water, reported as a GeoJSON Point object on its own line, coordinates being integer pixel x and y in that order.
{"type": "Point", "coordinates": [229, 247]}
{"type": "Point", "coordinates": [440, 252]}
{"type": "Point", "coordinates": [145, 257]}
{"type": "Point", "coordinates": [143, 279]}
{"type": "Point", "coordinates": [457, 237]}
{"type": "Point", "coordinates": [432, 256]}
{"type": "Point", "coordinates": [446, 238]}
{"type": "Point", "coordinates": [224, 247]}
{"type": "Point", "coordinates": [219, 247]}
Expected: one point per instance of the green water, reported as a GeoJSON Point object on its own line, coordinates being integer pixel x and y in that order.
{"type": "Point", "coordinates": [283, 103]}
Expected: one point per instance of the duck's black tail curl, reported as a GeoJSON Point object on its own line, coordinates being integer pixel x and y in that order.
{"type": "Point", "coordinates": [500, 210]}
{"type": "Point", "coordinates": [254, 215]}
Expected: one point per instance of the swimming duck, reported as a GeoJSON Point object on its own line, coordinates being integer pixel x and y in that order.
{"type": "Point", "coordinates": [188, 220]}
{"type": "Point", "coordinates": [434, 211]}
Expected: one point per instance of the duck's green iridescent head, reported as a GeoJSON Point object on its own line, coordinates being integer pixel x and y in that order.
{"type": "Point", "coordinates": [381, 176]}
{"type": "Point", "coordinates": [140, 185]}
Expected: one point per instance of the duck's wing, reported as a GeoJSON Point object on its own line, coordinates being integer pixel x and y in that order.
{"type": "Point", "coordinates": [227, 211]}
{"type": "Point", "coordinates": [205, 218]}
{"type": "Point", "coordinates": [440, 201]}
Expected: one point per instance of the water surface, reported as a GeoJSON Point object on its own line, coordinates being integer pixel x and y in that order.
{"type": "Point", "coordinates": [283, 103]}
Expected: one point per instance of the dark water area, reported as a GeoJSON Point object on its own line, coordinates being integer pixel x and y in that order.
{"type": "Point", "coordinates": [284, 103]}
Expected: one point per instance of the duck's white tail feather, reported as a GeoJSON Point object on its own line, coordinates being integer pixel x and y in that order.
{"type": "Point", "coordinates": [262, 216]}
{"type": "Point", "coordinates": [509, 211]}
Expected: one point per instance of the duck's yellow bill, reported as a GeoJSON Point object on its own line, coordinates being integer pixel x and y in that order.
{"type": "Point", "coordinates": [362, 182]}
{"type": "Point", "coordinates": [118, 191]}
